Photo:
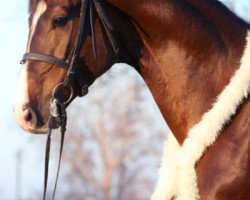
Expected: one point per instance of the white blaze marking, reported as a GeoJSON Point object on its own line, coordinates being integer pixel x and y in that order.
{"type": "Point", "coordinates": [182, 168]}
{"type": "Point", "coordinates": [41, 8]}
{"type": "Point", "coordinates": [21, 96]}
{"type": "Point", "coordinates": [22, 83]}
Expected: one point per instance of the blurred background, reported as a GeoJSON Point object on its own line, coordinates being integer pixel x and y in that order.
{"type": "Point", "coordinates": [115, 134]}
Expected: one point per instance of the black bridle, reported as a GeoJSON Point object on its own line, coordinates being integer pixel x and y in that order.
{"type": "Point", "coordinates": [58, 108]}
{"type": "Point", "coordinates": [93, 7]}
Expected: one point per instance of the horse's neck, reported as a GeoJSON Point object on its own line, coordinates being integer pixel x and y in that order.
{"type": "Point", "coordinates": [228, 25]}
{"type": "Point", "coordinates": [188, 58]}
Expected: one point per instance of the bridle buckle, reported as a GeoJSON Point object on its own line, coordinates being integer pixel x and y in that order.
{"type": "Point", "coordinates": [84, 90]}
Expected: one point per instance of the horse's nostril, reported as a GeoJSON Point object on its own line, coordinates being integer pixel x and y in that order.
{"type": "Point", "coordinates": [27, 115]}
{"type": "Point", "coordinates": [30, 119]}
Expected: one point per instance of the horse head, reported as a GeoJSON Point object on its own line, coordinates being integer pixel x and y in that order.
{"type": "Point", "coordinates": [52, 44]}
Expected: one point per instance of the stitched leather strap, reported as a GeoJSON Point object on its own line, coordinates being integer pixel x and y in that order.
{"type": "Point", "coordinates": [45, 58]}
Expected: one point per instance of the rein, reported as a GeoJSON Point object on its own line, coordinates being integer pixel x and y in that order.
{"type": "Point", "coordinates": [58, 113]}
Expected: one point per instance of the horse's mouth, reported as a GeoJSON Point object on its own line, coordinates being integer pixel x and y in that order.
{"type": "Point", "coordinates": [37, 131]}
{"type": "Point", "coordinates": [44, 129]}
{"type": "Point", "coordinates": [33, 122]}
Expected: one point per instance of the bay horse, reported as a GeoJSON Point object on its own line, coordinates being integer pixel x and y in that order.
{"type": "Point", "coordinates": [194, 57]}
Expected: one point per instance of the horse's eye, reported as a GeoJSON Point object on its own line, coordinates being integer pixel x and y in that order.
{"type": "Point", "coordinates": [59, 21]}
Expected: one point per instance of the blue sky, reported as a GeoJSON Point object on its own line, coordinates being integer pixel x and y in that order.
{"type": "Point", "coordinates": [13, 30]}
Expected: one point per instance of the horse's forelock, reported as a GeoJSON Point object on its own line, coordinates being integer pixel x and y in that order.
{"type": "Point", "coordinates": [33, 3]}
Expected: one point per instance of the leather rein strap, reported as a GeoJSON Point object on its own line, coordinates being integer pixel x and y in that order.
{"type": "Point", "coordinates": [58, 113]}
{"type": "Point", "coordinates": [58, 109]}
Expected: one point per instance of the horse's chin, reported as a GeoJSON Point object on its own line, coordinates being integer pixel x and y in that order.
{"type": "Point", "coordinates": [42, 130]}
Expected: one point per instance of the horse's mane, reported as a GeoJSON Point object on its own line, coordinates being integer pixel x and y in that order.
{"type": "Point", "coordinates": [219, 6]}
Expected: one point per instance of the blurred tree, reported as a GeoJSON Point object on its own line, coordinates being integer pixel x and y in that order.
{"type": "Point", "coordinates": [113, 144]}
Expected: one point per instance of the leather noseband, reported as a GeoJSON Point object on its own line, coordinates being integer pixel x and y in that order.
{"type": "Point", "coordinates": [45, 58]}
